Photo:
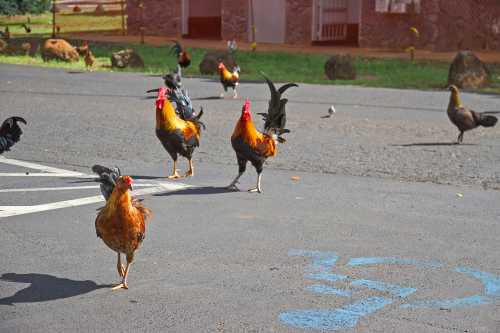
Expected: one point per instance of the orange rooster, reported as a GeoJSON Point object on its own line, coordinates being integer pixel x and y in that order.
{"type": "Point", "coordinates": [254, 146]}
{"type": "Point", "coordinates": [229, 79]}
{"type": "Point", "coordinates": [178, 136]}
{"type": "Point", "coordinates": [121, 224]}
{"type": "Point", "coordinates": [88, 56]}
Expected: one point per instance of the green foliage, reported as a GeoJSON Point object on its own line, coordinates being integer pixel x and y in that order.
{"type": "Point", "coordinates": [21, 7]}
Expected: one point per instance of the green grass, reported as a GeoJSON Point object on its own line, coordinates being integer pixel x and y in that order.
{"type": "Point", "coordinates": [281, 67]}
{"type": "Point", "coordinates": [68, 22]}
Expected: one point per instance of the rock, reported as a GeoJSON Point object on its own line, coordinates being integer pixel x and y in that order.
{"type": "Point", "coordinates": [58, 49]}
{"type": "Point", "coordinates": [126, 58]}
{"type": "Point", "coordinates": [468, 72]}
{"type": "Point", "coordinates": [212, 59]}
{"type": "Point", "coordinates": [340, 67]}
{"type": "Point", "coordinates": [99, 9]}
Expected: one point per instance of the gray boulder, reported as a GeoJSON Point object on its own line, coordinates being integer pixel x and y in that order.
{"type": "Point", "coordinates": [212, 59]}
{"type": "Point", "coordinates": [340, 67]}
{"type": "Point", "coordinates": [468, 72]}
{"type": "Point", "coordinates": [126, 58]}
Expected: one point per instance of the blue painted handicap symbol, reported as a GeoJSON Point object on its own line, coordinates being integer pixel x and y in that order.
{"type": "Point", "coordinates": [322, 268]}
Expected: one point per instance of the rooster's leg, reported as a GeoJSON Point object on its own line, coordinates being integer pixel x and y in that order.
{"type": "Point", "coordinates": [119, 265]}
{"type": "Point", "coordinates": [124, 284]}
{"type": "Point", "coordinates": [175, 174]}
{"type": "Point", "coordinates": [257, 189]}
{"type": "Point", "coordinates": [190, 172]}
{"type": "Point", "coordinates": [235, 93]}
{"type": "Point", "coordinates": [460, 137]}
{"type": "Point", "coordinates": [233, 186]}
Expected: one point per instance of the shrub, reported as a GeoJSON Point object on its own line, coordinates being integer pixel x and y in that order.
{"type": "Point", "coordinates": [21, 7]}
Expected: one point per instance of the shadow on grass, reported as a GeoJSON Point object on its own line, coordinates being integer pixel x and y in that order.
{"type": "Point", "coordinates": [196, 191]}
{"type": "Point", "coordinates": [44, 287]}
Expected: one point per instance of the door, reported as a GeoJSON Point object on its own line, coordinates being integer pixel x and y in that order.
{"type": "Point", "coordinates": [201, 19]}
{"type": "Point", "coordinates": [336, 21]}
{"type": "Point", "coordinates": [269, 20]}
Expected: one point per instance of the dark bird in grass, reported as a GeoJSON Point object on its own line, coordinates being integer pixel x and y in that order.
{"type": "Point", "coordinates": [10, 133]}
{"type": "Point", "coordinates": [183, 57]}
{"type": "Point", "coordinates": [5, 34]}
{"type": "Point", "coordinates": [466, 119]}
{"type": "Point", "coordinates": [275, 118]}
{"type": "Point", "coordinates": [107, 178]}
{"type": "Point", "coordinates": [27, 28]}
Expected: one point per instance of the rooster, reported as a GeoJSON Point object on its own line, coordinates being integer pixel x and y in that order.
{"type": "Point", "coordinates": [121, 224]}
{"type": "Point", "coordinates": [107, 178]}
{"type": "Point", "coordinates": [88, 56]}
{"type": "Point", "coordinates": [254, 146]}
{"type": "Point", "coordinates": [183, 57]}
{"type": "Point", "coordinates": [464, 118]}
{"type": "Point", "coordinates": [177, 136]}
{"type": "Point", "coordinates": [229, 79]}
{"type": "Point", "coordinates": [10, 133]}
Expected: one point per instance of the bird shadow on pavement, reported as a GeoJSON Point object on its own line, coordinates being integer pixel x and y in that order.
{"type": "Point", "coordinates": [202, 190]}
{"type": "Point", "coordinates": [424, 144]}
{"type": "Point", "coordinates": [208, 98]}
{"type": "Point", "coordinates": [44, 287]}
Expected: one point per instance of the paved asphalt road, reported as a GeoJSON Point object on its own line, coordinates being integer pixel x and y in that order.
{"type": "Point", "coordinates": [382, 231]}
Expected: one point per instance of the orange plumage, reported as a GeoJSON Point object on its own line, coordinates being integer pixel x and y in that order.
{"type": "Point", "coordinates": [178, 136]}
{"type": "Point", "coordinates": [252, 146]}
{"type": "Point", "coordinates": [121, 224]}
{"type": "Point", "coordinates": [229, 79]}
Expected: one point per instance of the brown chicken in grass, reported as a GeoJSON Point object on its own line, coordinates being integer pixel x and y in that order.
{"type": "Point", "coordinates": [88, 56]}
{"type": "Point", "coordinates": [464, 118]}
{"type": "Point", "coordinates": [183, 56]}
{"type": "Point", "coordinates": [178, 136]}
{"type": "Point", "coordinates": [121, 224]}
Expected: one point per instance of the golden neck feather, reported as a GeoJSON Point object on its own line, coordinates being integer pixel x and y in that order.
{"type": "Point", "coordinates": [455, 98]}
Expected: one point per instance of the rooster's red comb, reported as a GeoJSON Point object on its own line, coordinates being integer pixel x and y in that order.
{"type": "Point", "coordinates": [128, 180]}
{"type": "Point", "coordinates": [162, 96]}
{"type": "Point", "coordinates": [246, 106]}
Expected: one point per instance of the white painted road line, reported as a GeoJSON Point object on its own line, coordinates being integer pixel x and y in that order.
{"type": "Point", "coordinates": [40, 167]}
{"type": "Point", "coordinates": [67, 188]}
{"type": "Point", "coordinates": [39, 174]}
{"type": "Point", "coordinates": [6, 211]}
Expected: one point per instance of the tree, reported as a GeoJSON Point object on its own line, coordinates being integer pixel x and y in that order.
{"type": "Point", "coordinates": [21, 7]}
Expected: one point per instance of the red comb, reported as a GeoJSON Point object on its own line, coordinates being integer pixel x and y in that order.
{"type": "Point", "coordinates": [160, 99]}
{"type": "Point", "coordinates": [246, 106]}
{"type": "Point", "coordinates": [128, 180]}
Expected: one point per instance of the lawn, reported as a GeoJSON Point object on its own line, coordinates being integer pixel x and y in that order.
{"type": "Point", "coordinates": [305, 68]}
{"type": "Point", "coordinates": [67, 21]}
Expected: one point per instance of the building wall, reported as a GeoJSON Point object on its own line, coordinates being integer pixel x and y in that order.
{"type": "Point", "coordinates": [161, 17]}
{"type": "Point", "coordinates": [298, 21]}
{"type": "Point", "coordinates": [444, 25]}
{"type": "Point", "coordinates": [235, 20]}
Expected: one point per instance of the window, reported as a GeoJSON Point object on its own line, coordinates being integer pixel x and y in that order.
{"type": "Point", "coordinates": [397, 6]}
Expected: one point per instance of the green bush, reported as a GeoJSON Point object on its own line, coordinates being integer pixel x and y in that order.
{"type": "Point", "coordinates": [21, 7]}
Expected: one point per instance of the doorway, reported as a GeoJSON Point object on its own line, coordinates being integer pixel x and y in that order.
{"type": "Point", "coordinates": [201, 19]}
{"type": "Point", "coordinates": [336, 22]}
{"type": "Point", "coordinates": [269, 20]}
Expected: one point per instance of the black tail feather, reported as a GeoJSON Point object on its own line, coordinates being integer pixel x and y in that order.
{"type": "Point", "coordinates": [107, 178]}
{"type": "Point", "coordinates": [487, 120]}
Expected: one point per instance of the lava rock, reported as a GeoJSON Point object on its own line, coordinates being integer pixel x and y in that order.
{"type": "Point", "coordinates": [340, 67]}
{"type": "Point", "coordinates": [59, 49]}
{"type": "Point", "coordinates": [468, 72]}
{"type": "Point", "coordinates": [126, 58]}
{"type": "Point", "coordinates": [209, 64]}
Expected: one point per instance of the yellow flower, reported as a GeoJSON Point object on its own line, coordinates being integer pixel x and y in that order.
{"type": "Point", "coordinates": [253, 46]}
{"type": "Point", "coordinates": [415, 31]}
{"type": "Point", "coordinates": [410, 49]}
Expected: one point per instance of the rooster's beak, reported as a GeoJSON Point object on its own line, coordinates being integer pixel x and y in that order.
{"type": "Point", "coordinates": [130, 187]}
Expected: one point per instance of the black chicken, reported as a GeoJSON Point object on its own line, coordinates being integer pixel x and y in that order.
{"type": "Point", "coordinates": [107, 178]}
{"type": "Point", "coordinates": [10, 133]}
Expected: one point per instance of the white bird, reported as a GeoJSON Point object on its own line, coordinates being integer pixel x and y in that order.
{"type": "Point", "coordinates": [331, 110]}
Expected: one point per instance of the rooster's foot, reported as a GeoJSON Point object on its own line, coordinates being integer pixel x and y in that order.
{"type": "Point", "coordinates": [233, 187]}
{"type": "Point", "coordinates": [175, 175]}
{"type": "Point", "coordinates": [253, 190]}
{"type": "Point", "coordinates": [189, 173]}
{"type": "Point", "coordinates": [222, 95]}
{"type": "Point", "coordinates": [120, 286]}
